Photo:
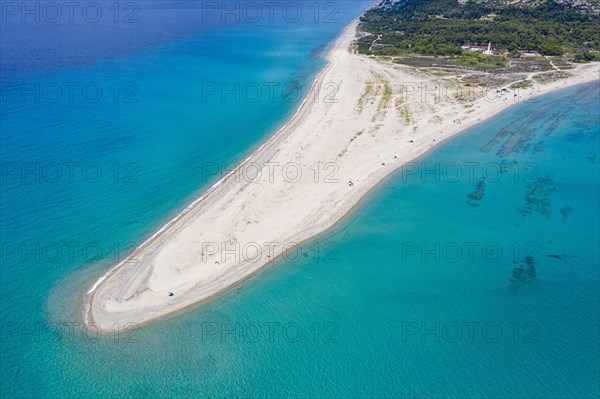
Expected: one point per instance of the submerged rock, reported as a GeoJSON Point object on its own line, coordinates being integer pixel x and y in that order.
{"type": "Point", "coordinates": [476, 196]}
{"type": "Point", "coordinates": [523, 274]}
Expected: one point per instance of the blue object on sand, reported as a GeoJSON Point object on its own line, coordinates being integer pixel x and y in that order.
{"type": "Point", "coordinates": [170, 293]}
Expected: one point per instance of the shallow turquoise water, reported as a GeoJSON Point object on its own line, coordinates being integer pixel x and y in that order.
{"type": "Point", "coordinates": [375, 309]}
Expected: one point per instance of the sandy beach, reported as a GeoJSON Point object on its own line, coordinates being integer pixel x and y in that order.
{"type": "Point", "coordinates": [363, 120]}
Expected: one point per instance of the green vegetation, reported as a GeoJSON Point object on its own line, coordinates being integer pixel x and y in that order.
{"type": "Point", "coordinates": [480, 61]}
{"type": "Point", "coordinates": [387, 94]}
{"type": "Point", "coordinates": [385, 99]}
{"type": "Point", "coordinates": [359, 133]}
{"type": "Point", "coordinates": [441, 27]}
{"type": "Point", "coordinates": [364, 96]}
{"type": "Point", "coordinates": [523, 84]}
{"type": "Point", "coordinates": [405, 114]}
{"type": "Point", "coordinates": [345, 150]}
{"type": "Point", "coordinates": [586, 57]}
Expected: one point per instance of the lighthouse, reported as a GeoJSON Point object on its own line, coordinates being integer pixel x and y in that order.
{"type": "Point", "coordinates": [489, 50]}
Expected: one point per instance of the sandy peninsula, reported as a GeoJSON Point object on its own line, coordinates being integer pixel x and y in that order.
{"type": "Point", "coordinates": [363, 120]}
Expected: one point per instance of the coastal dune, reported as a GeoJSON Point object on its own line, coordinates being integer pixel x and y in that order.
{"type": "Point", "coordinates": [363, 120]}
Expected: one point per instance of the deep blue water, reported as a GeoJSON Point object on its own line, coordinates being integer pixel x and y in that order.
{"type": "Point", "coordinates": [423, 291]}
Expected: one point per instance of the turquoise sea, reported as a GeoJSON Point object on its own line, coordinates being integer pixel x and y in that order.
{"type": "Point", "coordinates": [471, 273]}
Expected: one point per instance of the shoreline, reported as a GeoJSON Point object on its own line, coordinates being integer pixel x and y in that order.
{"type": "Point", "coordinates": [267, 151]}
{"type": "Point", "coordinates": [88, 317]}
